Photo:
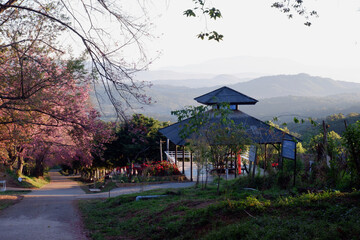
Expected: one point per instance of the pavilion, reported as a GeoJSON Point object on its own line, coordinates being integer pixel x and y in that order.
{"type": "Point", "coordinates": [258, 131]}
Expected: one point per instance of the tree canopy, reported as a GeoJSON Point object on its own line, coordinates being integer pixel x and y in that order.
{"type": "Point", "coordinates": [38, 22]}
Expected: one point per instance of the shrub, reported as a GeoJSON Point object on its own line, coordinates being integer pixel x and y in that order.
{"type": "Point", "coordinates": [161, 168]}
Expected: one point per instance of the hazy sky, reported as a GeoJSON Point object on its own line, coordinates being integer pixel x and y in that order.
{"type": "Point", "coordinates": [253, 28]}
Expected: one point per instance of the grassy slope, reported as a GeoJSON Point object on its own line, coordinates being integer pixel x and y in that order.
{"type": "Point", "coordinates": [27, 182]}
{"type": "Point", "coordinates": [201, 214]}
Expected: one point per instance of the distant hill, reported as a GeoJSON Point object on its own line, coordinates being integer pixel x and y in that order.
{"type": "Point", "coordinates": [266, 66]}
{"type": "Point", "coordinates": [295, 85]}
{"type": "Point", "coordinates": [280, 95]}
{"type": "Point", "coordinates": [286, 108]}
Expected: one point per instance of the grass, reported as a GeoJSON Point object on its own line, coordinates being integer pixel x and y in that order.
{"type": "Point", "coordinates": [28, 181]}
{"type": "Point", "coordinates": [202, 214]}
{"type": "Point", "coordinates": [33, 182]}
{"type": "Point", "coordinates": [9, 198]}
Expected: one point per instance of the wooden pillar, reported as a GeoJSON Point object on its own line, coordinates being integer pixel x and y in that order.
{"type": "Point", "coordinates": [167, 148]}
{"type": "Point", "coordinates": [191, 167]}
{"type": "Point", "coordinates": [176, 155]}
{"type": "Point", "coordinates": [183, 162]}
{"type": "Point", "coordinates": [161, 156]}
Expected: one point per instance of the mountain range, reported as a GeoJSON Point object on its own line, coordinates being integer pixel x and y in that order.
{"type": "Point", "coordinates": [278, 95]}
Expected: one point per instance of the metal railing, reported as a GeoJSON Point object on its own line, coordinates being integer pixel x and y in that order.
{"type": "Point", "coordinates": [179, 154]}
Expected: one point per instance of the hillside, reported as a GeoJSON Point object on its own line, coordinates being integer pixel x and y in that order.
{"type": "Point", "coordinates": [280, 95]}
{"type": "Point", "coordinates": [287, 107]}
{"type": "Point", "coordinates": [335, 122]}
{"type": "Point", "coordinates": [295, 85]}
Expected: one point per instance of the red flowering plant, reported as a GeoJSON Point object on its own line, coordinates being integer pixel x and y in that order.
{"type": "Point", "coordinates": [275, 165]}
{"type": "Point", "coordinates": [161, 168]}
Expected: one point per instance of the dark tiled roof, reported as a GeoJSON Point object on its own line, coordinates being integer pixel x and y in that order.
{"type": "Point", "coordinates": [258, 131]}
{"type": "Point", "coordinates": [226, 95]}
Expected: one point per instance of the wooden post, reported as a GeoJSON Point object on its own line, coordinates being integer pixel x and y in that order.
{"type": "Point", "coordinates": [161, 156]}
{"type": "Point", "coordinates": [176, 155]}
{"type": "Point", "coordinates": [191, 167]}
{"type": "Point", "coordinates": [250, 167]}
{"type": "Point", "coordinates": [167, 148]}
{"type": "Point", "coordinates": [183, 162]}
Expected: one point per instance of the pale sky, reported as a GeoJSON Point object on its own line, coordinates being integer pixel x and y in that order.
{"type": "Point", "coordinates": [253, 28]}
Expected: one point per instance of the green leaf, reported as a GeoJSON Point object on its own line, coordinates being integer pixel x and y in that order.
{"type": "Point", "coordinates": [189, 13]}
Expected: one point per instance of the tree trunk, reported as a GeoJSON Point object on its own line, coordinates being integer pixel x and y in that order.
{"type": "Point", "coordinates": [218, 186]}
{"type": "Point", "coordinates": [39, 167]}
{"type": "Point", "coordinates": [20, 168]}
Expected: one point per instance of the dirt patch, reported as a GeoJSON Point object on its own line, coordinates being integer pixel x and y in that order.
{"type": "Point", "coordinates": [196, 204]}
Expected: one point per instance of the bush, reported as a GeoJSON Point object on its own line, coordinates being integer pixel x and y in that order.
{"type": "Point", "coordinates": [161, 168]}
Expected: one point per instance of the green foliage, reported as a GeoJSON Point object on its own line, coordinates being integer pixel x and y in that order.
{"type": "Point", "coordinates": [137, 141]}
{"type": "Point", "coordinates": [201, 8]}
{"type": "Point", "coordinates": [333, 143]}
{"type": "Point", "coordinates": [29, 181]}
{"type": "Point", "coordinates": [352, 143]}
{"type": "Point", "coordinates": [198, 118]}
{"type": "Point", "coordinates": [291, 7]}
{"type": "Point", "coordinates": [311, 127]}
{"type": "Point", "coordinates": [199, 214]}
{"type": "Point", "coordinates": [212, 134]}
{"type": "Point", "coordinates": [211, 36]}
{"type": "Point", "coordinates": [307, 199]}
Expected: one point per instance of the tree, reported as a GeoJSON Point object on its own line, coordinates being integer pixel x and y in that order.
{"type": "Point", "coordinates": [79, 19]}
{"type": "Point", "coordinates": [45, 111]}
{"type": "Point", "coordinates": [204, 8]}
{"type": "Point", "coordinates": [330, 154]}
{"type": "Point", "coordinates": [291, 7]}
{"type": "Point", "coordinates": [352, 143]}
{"type": "Point", "coordinates": [212, 134]}
{"type": "Point", "coordinates": [137, 141]}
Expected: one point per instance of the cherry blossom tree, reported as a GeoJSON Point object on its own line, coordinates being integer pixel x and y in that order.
{"type": "Point", "coordinates": [39, 22]}
{"type": "Point", "coordinates": [45, 108]}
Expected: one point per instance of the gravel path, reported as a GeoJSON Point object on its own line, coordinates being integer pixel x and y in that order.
{"type": "Point", "coordinates": [50, 212]}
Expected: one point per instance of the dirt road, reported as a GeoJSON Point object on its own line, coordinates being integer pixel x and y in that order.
{"type": "Point", "coordinates": [47, 213]}
{"type": "Point", "coordinates": [50, 213]}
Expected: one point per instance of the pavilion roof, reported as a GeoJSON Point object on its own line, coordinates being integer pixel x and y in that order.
{"type": "Point", "coordinates": [258, 131]}
{"type": "Point", "coordinates": [225, 95]}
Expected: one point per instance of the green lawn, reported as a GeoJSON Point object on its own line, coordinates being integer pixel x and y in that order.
{"type": "Point", "coordinates": [29, 182]}
{"type": "Point", "coordinates": [234, 214]}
